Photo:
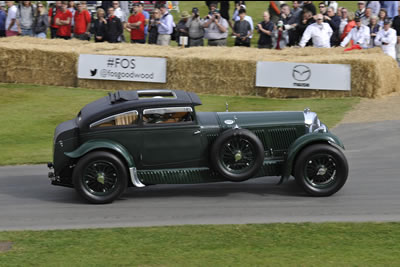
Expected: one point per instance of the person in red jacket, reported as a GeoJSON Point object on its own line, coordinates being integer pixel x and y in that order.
{"type": "Point", "coordinates": [136, 23]}
{"type": "Point", "coordinates": [63, 20]}
{"type": "Point", "coordinates": [82, 23]}
{"type": "Point", "coordinates": [52, 19]}
{"type": "Point", "coordinates": [350, 25]}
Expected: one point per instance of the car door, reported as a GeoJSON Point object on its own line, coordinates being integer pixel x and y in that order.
{"type": "Point", "coordinates": [171, 138]}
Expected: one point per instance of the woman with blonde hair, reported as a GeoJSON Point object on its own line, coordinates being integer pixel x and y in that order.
{"type": "Point", "coordinates": [350, 25]}
{"type": "Point", "coordinates": [99, 26]}
{"type": "Point", "coordinates": [40, 22]}
{"type": "Point", "coordinates": [374, 29]}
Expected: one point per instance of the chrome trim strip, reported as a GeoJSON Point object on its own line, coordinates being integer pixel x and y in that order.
{"type": "Point", "coordinates": [167, 110]}
{"type": "Point", "coordinates": [134, 178]}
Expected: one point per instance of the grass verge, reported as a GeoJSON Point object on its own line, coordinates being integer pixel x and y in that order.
{"type": "Point", "coordinates": [307, 244]}
{"type": "Point", "coordinates": [30, 114]}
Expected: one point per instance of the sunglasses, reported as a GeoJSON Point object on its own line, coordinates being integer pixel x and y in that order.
{"type": "Point", "coordinates": [321, 6]}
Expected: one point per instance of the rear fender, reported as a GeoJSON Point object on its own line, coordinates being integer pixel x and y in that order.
{"type": "Point", "coordinates": [102, 144]}
{"type": "Point", "coordinates": [305, 141]}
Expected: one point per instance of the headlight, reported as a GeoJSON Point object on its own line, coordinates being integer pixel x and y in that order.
{"type": "Point", "coordinates": [312, 122]}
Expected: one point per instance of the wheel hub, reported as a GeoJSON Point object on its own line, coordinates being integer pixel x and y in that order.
{"type": "Point", "coordinates": [322, 170]}
{"type": "Point", "coordinates": [238, 156]}
{"type": "Point", "coordinates": [100, 178]}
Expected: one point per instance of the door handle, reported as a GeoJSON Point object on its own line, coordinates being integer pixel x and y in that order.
{"type": "Point", "coordinates": [197, 132]}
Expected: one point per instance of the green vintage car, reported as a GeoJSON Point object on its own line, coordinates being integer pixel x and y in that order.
{"type": "Point", "coordinates": [148, 137]}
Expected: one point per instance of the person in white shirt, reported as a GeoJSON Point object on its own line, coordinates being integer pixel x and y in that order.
{"type": "Point", "coordinates": [360, 35]}
{"type": "Point", "coordinates": [119, 13]}
{"type": "Point", "coordinates": [334, 5]}
{"type": "Point", "coordinates": [11, 20]}
{"type": "Point", "coordinates": [387, 39]}
{"type": "Point", "coordinates": [343, 20]}
{"type": "Point", "coordinates": [320, 32]}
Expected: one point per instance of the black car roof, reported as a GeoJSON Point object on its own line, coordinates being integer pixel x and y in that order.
{"type": "Point", "coordinates": [121, 101]}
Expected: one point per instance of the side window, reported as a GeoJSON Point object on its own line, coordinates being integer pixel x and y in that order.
{"type": "Point", "coordinates": [122, 119]}
{"type": "Point", "coordinates": [167, 115]}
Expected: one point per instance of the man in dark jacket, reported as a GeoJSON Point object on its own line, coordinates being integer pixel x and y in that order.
{"type": "Point", "coordinates": [265, 29]}
{"type": "Point", "coordinates": [334, 21]}
{"type": "Point", "coordinates": [113, 27]}
{"type": "Point", "coordinates": [307, 19]}
{"type": "Point", "coordinates": [242, 30]}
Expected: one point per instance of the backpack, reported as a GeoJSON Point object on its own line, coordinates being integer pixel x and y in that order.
{"type": "Point", "coordinates": [174, 34]}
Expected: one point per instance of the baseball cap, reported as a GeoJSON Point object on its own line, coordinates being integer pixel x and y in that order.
{"type": "Point", "coordinates": [195, 10]}
{"type": "Point", "coordinates": [357, 19]}
{"type": "Point", "coordinates": [387, 21]}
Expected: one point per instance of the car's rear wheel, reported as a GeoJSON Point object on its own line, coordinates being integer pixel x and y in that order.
{"type": "Point", "coordinates": [237, 154]}
{"type": "Point", "coordinates": [321, 170]}
{"type": "Point", "coordinates": [100, 177]}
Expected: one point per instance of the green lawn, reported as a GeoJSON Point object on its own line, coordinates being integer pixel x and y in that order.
{"type": "Point", "coordinates": [30, 114]}
{"type": "Point", "coordinates": [308, 244]}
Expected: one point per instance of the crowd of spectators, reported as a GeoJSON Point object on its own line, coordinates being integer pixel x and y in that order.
{"type": "Point", "coordinates": [283, 24]}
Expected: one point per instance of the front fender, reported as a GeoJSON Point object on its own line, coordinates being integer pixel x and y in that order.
{"type": "Point", "coordinates": [102, 144]}
{"type": "Point", "coordinates": [304, 141]}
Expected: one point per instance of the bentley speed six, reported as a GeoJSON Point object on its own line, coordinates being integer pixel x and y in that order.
{"type": "Point", "coordinates": [148, 137]}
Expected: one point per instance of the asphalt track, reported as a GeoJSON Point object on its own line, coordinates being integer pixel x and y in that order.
{"type": "Point", "coordinates": [28, 201]}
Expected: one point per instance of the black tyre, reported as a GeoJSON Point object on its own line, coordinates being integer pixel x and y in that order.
{"type": "Point", "coordinates": [100, 177]}
{"type": "Point", "coordinates": [237, 154]}
{"type": "Point", "coordinates": [321, 170]}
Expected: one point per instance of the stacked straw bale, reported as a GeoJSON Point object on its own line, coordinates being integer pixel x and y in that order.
{"type": "Point", "coordinates": [214, 70]}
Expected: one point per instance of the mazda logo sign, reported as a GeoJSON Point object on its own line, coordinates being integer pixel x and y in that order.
{"type": "Point", "coordinates": [301, 73]}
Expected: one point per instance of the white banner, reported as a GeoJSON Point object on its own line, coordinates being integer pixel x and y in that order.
{"type": "Point", "coordinates": [303, 75]}
{"type": "Point", "coordinates": [122, 68]}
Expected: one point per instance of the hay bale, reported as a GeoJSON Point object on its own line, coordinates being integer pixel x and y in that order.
{"type": "Point", "coordinates": [217, 70]}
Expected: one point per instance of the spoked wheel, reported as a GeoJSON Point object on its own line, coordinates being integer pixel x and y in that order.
{"type": "Point", "coordinates": [100, 177]}
{"type": "Point", "coordinates": [237, 154]}
{"type": "Point", "coordinates": [321, 169]}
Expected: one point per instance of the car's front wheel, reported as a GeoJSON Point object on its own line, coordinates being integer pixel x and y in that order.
{"type": "Point", "coordinates": [321, 170]}
{"type": "Point", "coordinates": [100, 177]}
